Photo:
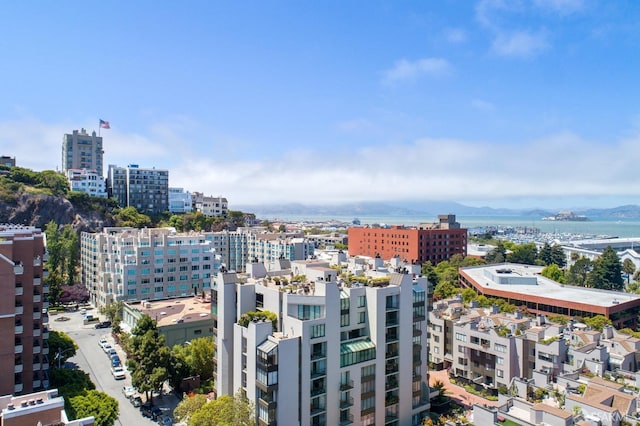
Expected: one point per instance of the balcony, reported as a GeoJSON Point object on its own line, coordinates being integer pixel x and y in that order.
{"type": "Point", "coordinates": [37, 315]}
{"type": "Point", "coordinates": [317, 409]}
{"type": "Point", "coordinates": [346, 402]}
{"type": "Point", "coordinates": [45, 318]}
{"type": "Point", "coordinates": [36, 332]}
{"type": "Point", "coordinates": [37, 349]}
{"type": "Point", "coordinates": [18, 269]}
{"type": "Point", "coordinates": [19, 290]}
{"type": "Point", "coordinates": [18, 349]}
{"type": "Point", "coordinates": [45, 349]}
{"type": "Point", "coordinates": [318, 391]}
{"type": "Point", "coordinates": [346, 385]}
{"type": "Point", "coordinates": [37, 383]}
{"type": "Point", "coordinates": [346, 420]}
{"type": "Point", "coordinates": [391, 384]}
{"type": "Point", "coordinates": [45, 274]}
{"type": "Point", "coordinates": [390, 417]}
{"type": "Point", "coordinates": [45, 303]}
{"type": "Point", "coordinates": [37, 281]}
{"type": "Point", "coordinates": [318, 355]}
{"type": "Point", "coordinates": [18, 368]}
{"type": "Point", "coordinates": [36, 366]}
{"type": "Point", "coordinates": [37, 261]}
{"type": "Point", "coordinates": [45, 288]}
{"type": "Point", "coordinates": [45, 384]}
{"type": "Point", "coordinates": [391, 400]}
{"type": "Point", "coordinates": [19, 329]}
{"type": "Point", "coordinates": [45, 333]}
{"type": "Point", "coordinates": [318, 373]}
{"type": "Point", "coordinates": [19, 310]}
{"type": "Point", "coordinates": [45, 257]}
{"type": "Point", "coordinates": [18, 388]}
{"type": "Point", "coordinates": [37, 298]}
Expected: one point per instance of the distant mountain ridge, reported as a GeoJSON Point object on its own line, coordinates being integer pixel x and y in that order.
{"type": "Point", "coordinates": [425, 208]}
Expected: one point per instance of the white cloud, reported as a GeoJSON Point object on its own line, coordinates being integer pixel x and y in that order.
{"type": "Point", "coordinates": [455, 35]}
{"type": "Point", "coordinates": [521, 44]}
{"type": "Point", "coordinates": [559, 165]}
{"type": "Point", "coordinates": [408, 70]}
{"type": "Point", "coordinates": [357, 126]}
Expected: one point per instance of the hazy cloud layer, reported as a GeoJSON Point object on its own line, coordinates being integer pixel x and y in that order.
{"type": "Point", "coordinates": [558, 165]}
{"type": "Point", "coordinates": [409, 70]}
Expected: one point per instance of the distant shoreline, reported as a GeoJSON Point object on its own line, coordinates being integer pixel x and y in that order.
{"type": "Point", "coordinates": [594, 226]}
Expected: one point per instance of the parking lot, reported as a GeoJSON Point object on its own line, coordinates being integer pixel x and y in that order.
{"type": "Point", "coordinates": [91, 358]}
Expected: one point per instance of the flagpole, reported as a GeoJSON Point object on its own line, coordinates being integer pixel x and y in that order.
{"type": "Point", "coordinates": [99, 128]}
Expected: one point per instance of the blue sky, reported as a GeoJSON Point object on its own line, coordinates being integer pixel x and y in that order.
{"type": "Point", "coordinates": [501, 103]}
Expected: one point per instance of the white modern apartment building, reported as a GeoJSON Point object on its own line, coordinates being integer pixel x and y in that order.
{"type": "Point", "coordinates": [209, 205]}
{"type": "Point", "coordinates": [145, 189]}
{"type": "Point", "coordinates": [237, 248]}
{"type": "Point", "coordinates": [89, 181]}
{"type": "Point", "coordinates": [132, 264]}
{"type": "Point", "coordinates": [179, 200]}
{"type": "Point", "coordinates": [337, 355]}
{"type": "Point", "coordinates": [81, 150]}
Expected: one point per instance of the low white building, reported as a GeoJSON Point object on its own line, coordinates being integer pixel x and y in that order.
{"type": "Point", "coordinates": [209, 205]}
{"type": "Point", "coordinates": [179, 200]}
{"type": "Point", "coordinates": [88, 181]}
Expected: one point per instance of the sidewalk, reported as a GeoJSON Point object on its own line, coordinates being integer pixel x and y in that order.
{"type": "Point", "coordinates": [458, 393]}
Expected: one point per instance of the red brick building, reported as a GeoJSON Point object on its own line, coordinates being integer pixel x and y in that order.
{"type": "Point", "coordinates": [432, 242]}
{"type": "Point", "coordinates": [24, 360]}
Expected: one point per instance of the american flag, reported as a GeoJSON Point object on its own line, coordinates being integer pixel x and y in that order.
{"type": "Point", "coordinates": [104, 124]}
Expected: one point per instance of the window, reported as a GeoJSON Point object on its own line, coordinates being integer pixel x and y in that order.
{"type": "Point", "coordinates": [362, 317]}
{"type": "Point", "coordinates": [344, 320]}
{"type": "Point", "coordinates": [317, 330]}
{"type": "Point", "coordinates": [499, 348]}
{"type": "Point", "coordinates": [499, 360]}
{"type": "Point", "coordinates": [362, 301]}
{"type": "Point", "coordinates": [461, 337]}
{"type": "Point", "coordinates": [499, 373]}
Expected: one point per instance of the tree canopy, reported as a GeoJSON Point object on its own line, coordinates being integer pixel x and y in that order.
{"type": "Point", "coordinates": [224, 411]}
{"type": "Point", "coordinates": [607, 271]}
{"type": "Point", "coordinates": [61, 345]}
{"type": "Point", "coordinates": [103, 407]}
{"type": "Point", "coordinates": [149, 357]}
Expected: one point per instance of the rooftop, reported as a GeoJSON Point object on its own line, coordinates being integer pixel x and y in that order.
{"type": "Point", "coordinates": [527, 281]}
{"type": "Point", "coordinates": [174, 311]}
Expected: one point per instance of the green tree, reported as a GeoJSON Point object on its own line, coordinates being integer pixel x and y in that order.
{"type": "Point", "coordinates": [607, 271]}
{"type": "Point", "coordinates": [497, 255]}
{"type": "Point", "coordinates": [524, 253]}
{"type": "Point", "coordinates": [103, 407]}
{"type": "Point", "coordinates": [553, 272]}
{"type": "Point", "coordinates": [149, 357]}
{"type": "Point", "coordinates": [552, 254]}
{"type": "Point", "coordinates": [597, 322]}
{"type": "Point", "coordinates": [444, 290]}
{"type": "Point", "coordinates": [579, 272]}
{"type": "Point", "coordinates": [129, 216]}
{"type": "Point", "coordinates": [69, 382]}
{"type": "Point", "coordinates": [71, 249]}
{"type": "Point", "coordinates": [61, 345]}
{"type": "Point", "coordinates": [427, 270]}
{"type": "Point", "coordinates": [468, 295]}
{"type": "Point", "coordinates": [225, 411]}
{"type": "Point", "coordinates": [112, 310]}
{"type": "Point", "coordinates": [185, 409]}
{"type": "Point", "coordinates": [53, 181]}
{"type": "Point", "coordinates": [194, 359]}
{"type": "Point", "coordinates": [629, 268]}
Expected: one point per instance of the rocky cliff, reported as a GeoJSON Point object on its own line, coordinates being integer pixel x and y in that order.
{"type": "Point", "coordinates": [39, 209]}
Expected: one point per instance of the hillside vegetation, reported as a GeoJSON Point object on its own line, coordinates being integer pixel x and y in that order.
{"type": "Point", "coordinates": [35, 198]}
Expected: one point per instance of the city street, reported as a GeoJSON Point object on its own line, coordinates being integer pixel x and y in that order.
{"type": "Point", "coordinates": [91, 359]}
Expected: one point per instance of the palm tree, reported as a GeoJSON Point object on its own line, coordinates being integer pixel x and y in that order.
{"type": "Point", "coordinates": [443, 393]}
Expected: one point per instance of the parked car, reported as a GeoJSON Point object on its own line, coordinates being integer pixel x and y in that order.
{"type": "Point", "coordinates": [136, 401]}
{"type": "Point", "coordinates": [102, 342]}
{"type": "Point", "coordinates": [115, 362]}
{"type": "Point", "coordinates": [103, 324]}
{"type": "Point", "coordinates": [106, 348]}
{"type": "Point", "coordinates": [111, 352]}
{"type": "Point", "coordinates": [118, 373]}
{"type": "Point", "coordinates": [151, 411]}
{"type": "Point", "coordinates": [129, 391]}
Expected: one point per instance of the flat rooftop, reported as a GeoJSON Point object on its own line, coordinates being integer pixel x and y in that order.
{"type": "Point", "coordinates": [175, 311]}
{"type": "Point", "coordinates": [527, 281]}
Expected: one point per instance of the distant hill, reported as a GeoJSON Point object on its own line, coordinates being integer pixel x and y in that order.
{"type": "Point", "coordinates": [423, 208]}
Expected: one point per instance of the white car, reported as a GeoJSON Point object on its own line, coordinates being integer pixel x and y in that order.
{"type": "Point", "coordinates": [118, 373]}
{"type": "Point", "coordinates": [129, 391]}
{"type": "Point", "coordinates": [106, 348]}
{"type": "Point", "coordinates": [102, 342]}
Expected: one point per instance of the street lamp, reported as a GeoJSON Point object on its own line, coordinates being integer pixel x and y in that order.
{"type": "Point", "coordinates": [60, 353]}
